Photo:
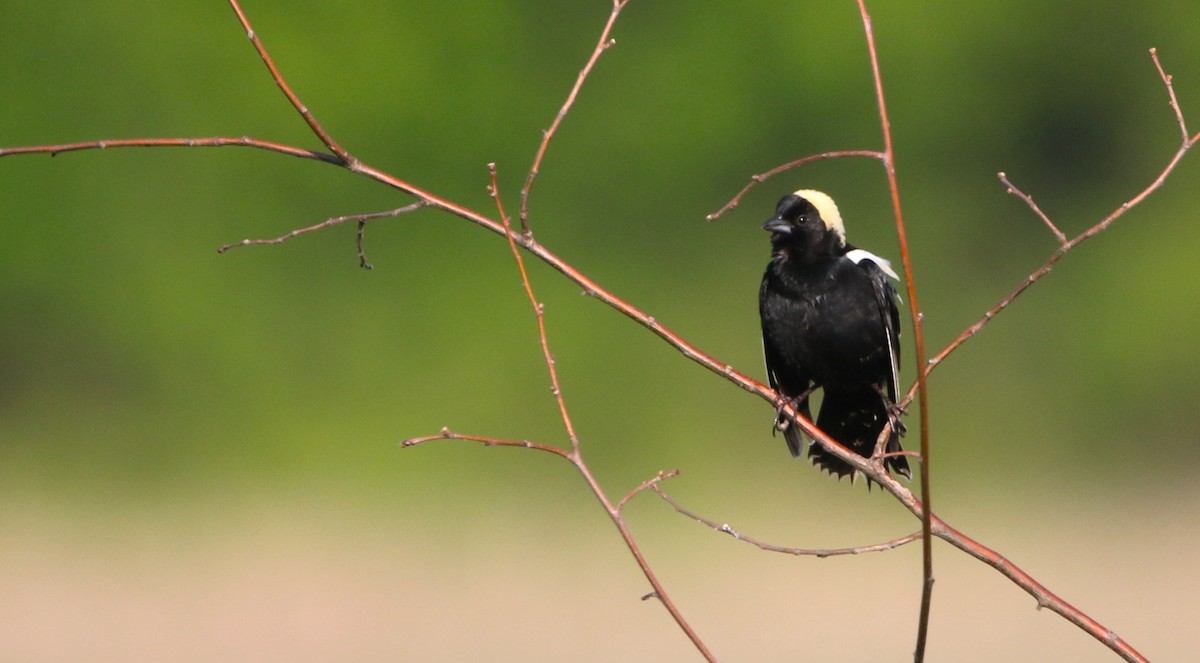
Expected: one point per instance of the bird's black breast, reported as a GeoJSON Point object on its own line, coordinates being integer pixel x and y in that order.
{"type": "Point", "coordinates": [822, 322]}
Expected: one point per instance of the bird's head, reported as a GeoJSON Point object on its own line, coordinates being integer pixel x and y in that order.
{"type": "Point", "coordinates": [809, 221]}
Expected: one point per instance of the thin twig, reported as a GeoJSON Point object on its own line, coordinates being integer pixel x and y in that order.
{"type": "Point", "coordinates": [319, 131]}
{"type": "Point", "coordinates": [576, 458]}
{"type": "Point", "coordinates": [648, 483]}
{"type": "Point", "coordinates": [359, 238]}
{"type": "Point", "coordinates": [361, 219]}
{"type": "Point", "coordinates": [1186, 144]}
{"type": "Point", "coordinates": [207, 141]}
{"type": "Point", "coordinates": [726, 528]}
{"type": "Point", "coordinates": [1166, 79]}
{"type": "Point", "coordinates": [446, 434]}
{"type": "Point", "coordinates": [602, 45]}
{"type": "Point", "coordinates": [1011, 188]}
{"type": "Point", "coordinates": [539, 311]}
{"type": "Point", "coordinates": [764, 176]}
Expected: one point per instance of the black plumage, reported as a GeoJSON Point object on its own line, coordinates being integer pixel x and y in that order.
{"type": "Point", "coordinates": [830, 322]}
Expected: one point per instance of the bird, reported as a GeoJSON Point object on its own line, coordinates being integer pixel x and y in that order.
{"type": "Point", "coordinates": [830, 322]}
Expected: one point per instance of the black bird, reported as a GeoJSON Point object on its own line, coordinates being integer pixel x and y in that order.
{"type": "Point", "coordinates": [829, 321]}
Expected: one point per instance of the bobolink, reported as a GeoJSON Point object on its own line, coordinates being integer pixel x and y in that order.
{"type": "Point", "coordinates": [829, 321]}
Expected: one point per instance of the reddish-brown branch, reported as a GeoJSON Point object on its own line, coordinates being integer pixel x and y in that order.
{"type": "Point", "coordinates": [309, 118]}
{"type": "Point", "coordinates": [1058, 234]}
{"type": "Point", "coordinates": [575, 457]}
{"type": "Point", "coordinates": [539, 312]}
{"type": "Point", "coordinates": [918, 341]}
{"type": "Point", "coordinates": [1045, 598]}
{"type": "Point", "coordinates": [361, 219]}
{"type": "Point", "coordinates": [208, 141]}
{"type": "Point", "coordinates": [1174, 101]}
{"type": "Point", "coordinates": [446, 434]}
{"type": "Point", "coordinates": [763, 177]}
{"type": "Point", "coordinates": [1186, 144]}
{"type": "Point", "coordinates": [652, 482]}
{"type": "Point", "coordinates": [602, 45]}
{"type": "Point", "coordinates": [726, 528]}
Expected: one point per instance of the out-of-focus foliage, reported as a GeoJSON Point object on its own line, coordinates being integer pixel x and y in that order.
{"type": "Point", "coordinates": [135, 356]}
{"type": "Point", "coordinates": [137, 364]}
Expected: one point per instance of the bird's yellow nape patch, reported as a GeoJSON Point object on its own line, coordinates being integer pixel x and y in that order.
{"type": "Point", "coordinates": [827, 209]}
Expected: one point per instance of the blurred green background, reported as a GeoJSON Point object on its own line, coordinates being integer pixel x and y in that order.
{"type": "Point", "coordinates": [199, 453]}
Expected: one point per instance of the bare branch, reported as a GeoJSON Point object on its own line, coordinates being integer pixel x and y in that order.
{"type": "Point", "coordinates": [446, 434]}
{"type": "Point", "coordinates": [576, 458]}
{"type": "Point", "coordinates": [1186, 144]}
{"type": "Point", "coordinates": [359, 238]}
{"type": "Point", "coordinates": [648, 483]}
{"type": "Point", "coordinates": [539, 311]}
{"type": "Point", "coordinates": [361, 219]}
{"type": "Point", "coordinates": [918, 341]}
{"type": "Point", "coordinates": [1045, 598]}
{"type": "Point", "coordinates": [1166, 79]}
{"type": "Point", "coordinates": [769, 547]}
{"type": "Point", "coordinates": [602, 45]}
{"type": "Point", "coordinates": [763, 177]}
{"type": "Point", "coordinates": [344, 156]}
{"type": "Point", "coordinates": [1011, 188]}
{"type": "Point", "coordinates": [210, 141]}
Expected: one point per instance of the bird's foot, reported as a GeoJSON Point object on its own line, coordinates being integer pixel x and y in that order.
{"type": "Point", "coordinates": [782, 421]}
{"type": "Point", "coordinates": [894, 412]}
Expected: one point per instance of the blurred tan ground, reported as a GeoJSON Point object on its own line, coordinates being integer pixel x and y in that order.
{"type": "Point", "coordinates": [292, 580]}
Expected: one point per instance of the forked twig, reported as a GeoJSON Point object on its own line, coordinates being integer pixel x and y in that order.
{"type": "Point", "coordinates": [309, 118]}
{"type": "Point", "coordinates": [652, 482]}
{"type": "Point", "coordinates": [539, 311]}
{"type": "Point", "coordinates": [360, 219]}
{"type": "Point", "coordinates": [575, 457]}
{"type": "Point", "coordinates": [1186, 144]}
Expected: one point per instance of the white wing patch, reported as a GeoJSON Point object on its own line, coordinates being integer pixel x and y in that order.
{"type": "Point", "coordinates": [858, 255]}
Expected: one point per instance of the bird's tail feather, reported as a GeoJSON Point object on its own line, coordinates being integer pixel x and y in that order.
{"type": "Point", "coordinates": [856, 420]}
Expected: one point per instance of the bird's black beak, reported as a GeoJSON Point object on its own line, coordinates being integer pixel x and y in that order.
{"type": "Point", "coordinates": [777, 225]}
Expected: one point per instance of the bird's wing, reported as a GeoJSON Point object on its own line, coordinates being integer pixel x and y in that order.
{"type": "Point", "coordinates": [886, 297]}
